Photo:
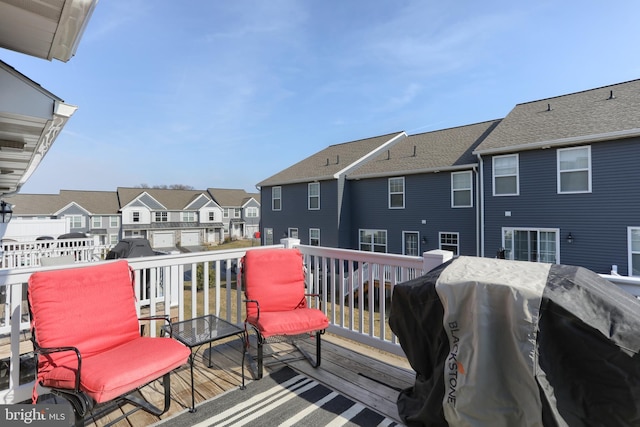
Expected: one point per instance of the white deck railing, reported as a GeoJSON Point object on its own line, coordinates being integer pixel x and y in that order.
{"type": "Point", "coordinates": [349, 283]}
{"type": "Point", "coordinates": [29, 253]}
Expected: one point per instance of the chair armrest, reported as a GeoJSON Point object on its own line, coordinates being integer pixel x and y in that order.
{"type": "Point", "coordinates": [149, 318]}
{"type": "Point", "coordinates": [49, 350]}
{"type": "Point", "coordinates": [253, 301]}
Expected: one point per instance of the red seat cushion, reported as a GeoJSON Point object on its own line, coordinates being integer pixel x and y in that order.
{"type": "Point", "coordinates": [93, 309]}
{"type": "Point", "coordinates": [293, 322]}
{"type": "Point", "coordinates": [119, 370]}
{"type": "Point", "coordinates": [275, 278]}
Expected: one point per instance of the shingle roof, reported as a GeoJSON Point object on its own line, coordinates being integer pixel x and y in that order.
{"type": "Point", "coordinates": [95, 202]}
{"type": "Point", "coordinates": [231, 197]}
{"type": "Point", "coordinates": [326, 163]}
{"type": "Point", "coordinates": [428, 152]}
{"type": "Point", "coordinates": [171, 199]}
{"type": "Point", "coordinates": [580, 117]}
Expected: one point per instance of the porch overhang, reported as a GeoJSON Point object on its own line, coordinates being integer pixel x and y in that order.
{"type": "Point", "coordinates": [31, 118]}
{"type": "Point", "coordinates": [49, 29]}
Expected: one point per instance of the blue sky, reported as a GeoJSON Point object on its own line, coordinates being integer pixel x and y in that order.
{"type": "Point", "coordinates": [226, 94]}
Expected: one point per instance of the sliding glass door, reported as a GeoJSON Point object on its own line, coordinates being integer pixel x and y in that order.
{"type": "Point", "coordinates": [530, 244]}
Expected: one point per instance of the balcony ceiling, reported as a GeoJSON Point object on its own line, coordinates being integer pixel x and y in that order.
{"type": "Point", "coordinates": [30, 120]}
{"type": "Point", "coordinates": [47, 29]}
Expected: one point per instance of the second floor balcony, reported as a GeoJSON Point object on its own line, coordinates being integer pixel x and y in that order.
{"type": "Point", "coordinates": [355, 289]}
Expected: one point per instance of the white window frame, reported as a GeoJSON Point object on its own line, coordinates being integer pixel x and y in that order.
{"type": "Point", "coordinates": [313, 195]}
{"type": "Point", "coordinates": [395, 193]}
{"type": "Point", "coordinates": [468, 189]}
{"type": "Point", "coordinates": [113, 239]}
{"type": "Point", "coordinates": [96, 222]}
{"type": "Point", "coordinates": [114, 221]}
{"type": "Point", "coordinates": [509, 248]}
{"type": "Point", "coordinates": [372, 243]}
{"type": "Point", "coordinates": [292, 232]}
{"type": "Point", "coordinates": [516, 174]}
{"type": "Point", "coordinates": [188, 216]}
{"type": "Point", "coordinates": [404, 242]}
{"type": "Point", "coordinates": [161, 216]}
{"type": "Point", "coordinates": [276, 198]}
{"type": "Point", "coordinates": [633, 245]}
{"type": "Point", "coordinates": [225, 212]}
{"type": "Point", "coordinates": [237, 213]}
{"type": "Point", "coordinates": [575, 170]}
{"type": "Point", "coordinates": [445, 241]}
{"type": "Point", "coordinates": [136, 216]}
{"type": "Point", "coordinates": [76, 221]}
{"type": "Point", "coordinates": [252, 212]}
{"type": "Point", "coordinates": [314, 237]}
{"type": "Point", "coordinates": [212, 216]}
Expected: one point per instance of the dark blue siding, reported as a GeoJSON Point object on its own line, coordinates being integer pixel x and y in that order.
{"type": "Point", "coordinates": [295, 213]}
{"type": "Point", "coordinates": [427, 197]}
{"type": "Point", "coordinates": [598, 220]}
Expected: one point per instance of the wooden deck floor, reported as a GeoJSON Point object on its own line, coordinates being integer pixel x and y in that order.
{"type": "Point", "coordinates": [366, 375]}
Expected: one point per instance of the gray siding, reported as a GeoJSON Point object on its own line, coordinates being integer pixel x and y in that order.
{"type": "Point", "coordinates": [427, 197]}
{"type": "Point", "coordinates": [598, 220]}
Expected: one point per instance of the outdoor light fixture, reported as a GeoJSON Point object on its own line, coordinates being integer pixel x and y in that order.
{"type": "Point", "coordinates": [569, 238]}
{"type": "Point", "coordinates": [424, 240]}
{"type": "Point", "coordinates": [5, 211]}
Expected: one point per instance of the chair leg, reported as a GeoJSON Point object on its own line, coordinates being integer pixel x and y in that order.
{"type": "Point", "coordinates": [314, 363]}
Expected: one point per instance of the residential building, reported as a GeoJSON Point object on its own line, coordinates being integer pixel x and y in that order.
{"type": "Point", "coordinates": [560, 180]}
{"type": "Point", "coordinates": [554, 181]}
{"type": "Point", "coordinates": [170, 218]}
{"type": "Point", "coordinates": [310, 200]}
{"type": "Point", "coordinates": [94, 213]}
{"type": "Point", "coordinates": [420, 194]}
{"type": "Point", "coordinates": [240, 211]}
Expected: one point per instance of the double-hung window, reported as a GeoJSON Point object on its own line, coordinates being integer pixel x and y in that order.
{"type": "Point", "coordinates": [373, 240]}
{"type": "Point", "coordinates": [574, 170]}
{"type": "Point", "coordinates": [396, 193]}
{"type": "Point", "coordinates": [506, 175]}
{"type": "Point", "coordinates": [276, 198]}
{"type": "Point", "coordinates": [96, 222]}
{"type": "Point", "coordinates": [114, 221]}
{"type": "Point", "coordinates": [314, 196]}
{"type": "Point", "coordinates": [161, 216]}
{"type": "Point", "coordinates": [76, 221]}
{"type": "Point", "coordinates": [450, 242]}
{"type": "Point", "coordinates": [461, 190]}
{"type": "Point", "coordinates": [188, 216]}
{"type": "Point", "coordinates": [314, 237]}
{"type": "Point", "coordinates": [135, 216]}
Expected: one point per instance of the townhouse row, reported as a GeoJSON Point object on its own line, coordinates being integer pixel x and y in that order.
{"type": "Point", "coordinates": [168, 218]}
{"type": "Point", "coordinates": [557, 180]}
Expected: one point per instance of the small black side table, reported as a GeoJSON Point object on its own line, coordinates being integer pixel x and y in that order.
{"type": "Point", "coordinates": [202, 330]}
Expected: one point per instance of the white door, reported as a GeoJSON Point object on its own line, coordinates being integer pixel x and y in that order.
{"type": "Point", "coordinates": [190, 238]}
{"type": "Point", "coordinates": [163, 240]}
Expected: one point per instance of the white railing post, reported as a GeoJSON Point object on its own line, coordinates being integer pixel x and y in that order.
{"type": "Point", "coordinates": [290, 242]}
{"type": "Point", "coordinates": [434, 258]}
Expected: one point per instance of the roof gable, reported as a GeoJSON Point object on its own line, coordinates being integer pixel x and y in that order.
{"type": "Point", "coordinates": [446, 149]}
{"type": "Point", "coordinates": [230, 197]}
{"type": "Point", "coordinates": [333, 160]}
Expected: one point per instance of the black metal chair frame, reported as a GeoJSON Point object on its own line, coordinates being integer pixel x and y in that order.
{"type": "Point", "coordinates": [84, 406]}
{"type": "Point", "coordinates": [291, 339]}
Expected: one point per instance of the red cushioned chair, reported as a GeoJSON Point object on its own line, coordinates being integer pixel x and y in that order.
{"type": "Point", "coordinates": [276, 301]}
{"type": "Point", "coordinates": [86, 334]}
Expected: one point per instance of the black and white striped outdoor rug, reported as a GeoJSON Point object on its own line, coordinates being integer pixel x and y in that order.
{"type": "Point", "coordinates": [283, 398]}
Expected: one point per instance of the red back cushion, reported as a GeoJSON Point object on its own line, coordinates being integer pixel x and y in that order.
{"type": "Point", "coordinates": [92, 308]}
{"type": "Point", "coordinates": [274, 277]}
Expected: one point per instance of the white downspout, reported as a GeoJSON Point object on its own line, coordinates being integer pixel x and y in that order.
{"type": "Point", "coordinates": [480, 206]}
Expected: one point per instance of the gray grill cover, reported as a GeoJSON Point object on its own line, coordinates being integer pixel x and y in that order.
{"type": "Point", "coordinates": [509, 343]}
